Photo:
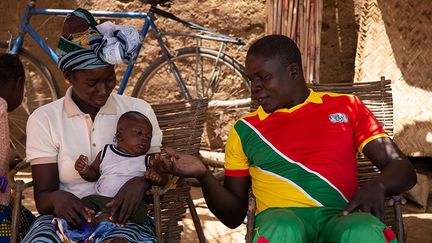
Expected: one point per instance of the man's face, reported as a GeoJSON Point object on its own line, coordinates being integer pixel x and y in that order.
{"type": "Point", "coordinates": [134, 136]}
{"type": "Point", "coordinates": [270, 82]}
{"type": "Point", "coordinates": [93, 87]}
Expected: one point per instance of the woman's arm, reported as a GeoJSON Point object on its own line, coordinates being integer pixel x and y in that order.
{"type": "Point", "coordinates": [50, 200]}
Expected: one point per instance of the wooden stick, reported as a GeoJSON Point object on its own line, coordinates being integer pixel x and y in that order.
{"type": "Point", "coordinates": [295, 20]}
{"type": "Point", "coordinates": [319, 9]}
{"type": "Point", "coordinates": [284, 16]}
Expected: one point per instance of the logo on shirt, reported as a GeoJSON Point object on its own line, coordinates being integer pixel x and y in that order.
{"type": "Point", "coordinates": [338, 118]}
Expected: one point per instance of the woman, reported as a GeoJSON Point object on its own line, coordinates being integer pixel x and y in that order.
{"type": "Point", "coordinates": [82, 123]}
{"type": "Point", "coordinates": [12, 78]}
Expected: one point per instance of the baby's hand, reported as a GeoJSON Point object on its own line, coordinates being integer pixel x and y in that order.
{"type": "Point", "coordinates": [154, 176]}
{"type": "Point", "coordinates": [81, 164]}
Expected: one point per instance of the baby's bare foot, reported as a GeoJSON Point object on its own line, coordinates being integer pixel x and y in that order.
{"type": "Point", "coordinates": [99, 217]}
{"type": "Point", "coordinates": [117, 240]}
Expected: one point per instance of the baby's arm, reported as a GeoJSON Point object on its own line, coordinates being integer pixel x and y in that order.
{"type": "Point", "coordinates": [154, 173]}
{"type": "Point", "coordinates": [86, 171]}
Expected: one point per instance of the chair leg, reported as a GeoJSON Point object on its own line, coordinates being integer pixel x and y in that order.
{"type": "Point", "coordinates": [196, 220]}
{"type": "Point", "coordinates": [18, 189]}
{"type": "Point", "coordinates": [157, 213]}
{"type": "Point", "coordinates": [399, 219]}
{"type": "Point", "coordinates": [250, 224]}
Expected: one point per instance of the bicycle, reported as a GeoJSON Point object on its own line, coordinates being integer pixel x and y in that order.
{"type": "Point", "coordinates": [189, 72]}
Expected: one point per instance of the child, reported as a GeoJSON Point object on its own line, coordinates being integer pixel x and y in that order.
{"type": "Point", "coordinates": [12, 78]}
{"type": "Point", "coordinates": [116, 164]}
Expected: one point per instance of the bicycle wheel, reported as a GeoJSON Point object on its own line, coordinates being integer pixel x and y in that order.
{"type": "Point", "coordinates": [221, 79]}
{"type": "Point", "coordinates": [40, 89]}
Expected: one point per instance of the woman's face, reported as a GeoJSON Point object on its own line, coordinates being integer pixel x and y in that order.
{"type": "Point", "coordinates": [93, 87]}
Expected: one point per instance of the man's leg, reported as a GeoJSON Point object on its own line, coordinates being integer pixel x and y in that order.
{"type": "Point", "coordinates": [356, 227]}
{"type": "Point", "coordinates": [279, 225]}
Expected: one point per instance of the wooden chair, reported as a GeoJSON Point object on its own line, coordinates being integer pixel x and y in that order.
{"type": "Point", "coordinates": [182, 125]}
{"type": "Point", "coordinates": [377, 96]}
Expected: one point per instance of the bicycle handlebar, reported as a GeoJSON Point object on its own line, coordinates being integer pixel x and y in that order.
{"type": "Point", "coordinates": [197, 27]}
{"type": "Point", "coordinates": [163, 3]}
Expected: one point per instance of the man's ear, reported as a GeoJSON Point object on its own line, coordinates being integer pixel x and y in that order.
{"type": "Point", "coordinates": [293, 70]}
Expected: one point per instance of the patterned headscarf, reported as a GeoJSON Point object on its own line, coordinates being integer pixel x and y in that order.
{"type": "Point", "coordinates": [97, 46]}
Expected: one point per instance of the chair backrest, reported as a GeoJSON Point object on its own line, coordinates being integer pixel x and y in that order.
{"type": "Point", "coordinates": [182, 126]}
{"type": "Point", "coordinates": [377, 96]}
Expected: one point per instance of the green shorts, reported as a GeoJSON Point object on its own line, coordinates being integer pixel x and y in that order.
{"type": "Point", "coordinates": [319, 224]}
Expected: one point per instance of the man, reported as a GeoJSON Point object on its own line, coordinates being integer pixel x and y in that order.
{"type": "Point", "coordinates": [298, 153]}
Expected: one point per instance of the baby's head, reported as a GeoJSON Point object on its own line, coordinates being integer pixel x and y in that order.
{"type": "Point", "coordinates": [134, 133]}
{"type": "Point", "coordinates": [12, 78]}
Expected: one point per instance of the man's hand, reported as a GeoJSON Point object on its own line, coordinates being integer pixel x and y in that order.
{"type": "Point", "coordinates": [181, 164]}
{"type": "Point", "coordinates": [127, 199]}
{"type": "Point", "coordinates": [69, 207]}
{"type": "Point", "coordinates": [81, 164]}
{"type": "Point", "coordinates": [369, 199]}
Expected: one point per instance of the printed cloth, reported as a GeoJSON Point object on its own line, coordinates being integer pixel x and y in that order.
{"type": "Point", "coordinates": [44, 229]}
{"type": "Point", "coordinates": [99, 46]}
{"type": "Point", "coordinates": [26, 218]}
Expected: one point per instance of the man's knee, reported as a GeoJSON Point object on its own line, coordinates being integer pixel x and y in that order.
{"type": "Point", "coordinates": [280, 225]}
{"type": "Point", "coordinates": [356, 227]}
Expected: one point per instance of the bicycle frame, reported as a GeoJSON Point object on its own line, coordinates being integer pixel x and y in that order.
{"type": "Point", "coordinates": [149, 22]}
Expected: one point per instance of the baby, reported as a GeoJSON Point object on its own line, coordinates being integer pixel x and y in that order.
{"type": "Point", "coordinates": [117, 164]}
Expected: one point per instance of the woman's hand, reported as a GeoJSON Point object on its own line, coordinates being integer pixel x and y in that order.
{"type": "Point", "coordinates": [127, 199]}
{"type": "Point", "coordinates": [69, 207]}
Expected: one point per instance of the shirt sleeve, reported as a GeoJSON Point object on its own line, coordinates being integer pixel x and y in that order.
{"type": "Point", "coordinates": [40, 148]}
{"type": "Point", "coordinates": [236, 162]}
{"type": "Point", "coordinates": [156, 142]}
{"type": "Point", "coordinates": [366, 126]}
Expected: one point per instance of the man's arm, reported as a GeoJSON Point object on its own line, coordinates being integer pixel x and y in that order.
{"type": "Point", "coordinates": [397, 176]}
{"type": "Point", "coordinates": [229, 202]}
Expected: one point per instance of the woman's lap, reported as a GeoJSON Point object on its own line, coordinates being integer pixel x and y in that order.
{"type": "Point", "coordinates": [43, 230]}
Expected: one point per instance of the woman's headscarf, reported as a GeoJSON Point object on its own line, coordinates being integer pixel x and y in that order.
{"type": "Point", "coordinates": [87, 45]}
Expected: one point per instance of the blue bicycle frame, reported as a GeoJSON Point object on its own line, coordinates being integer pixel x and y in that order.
{"type": "Point", "coordinates": [148, 17]}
